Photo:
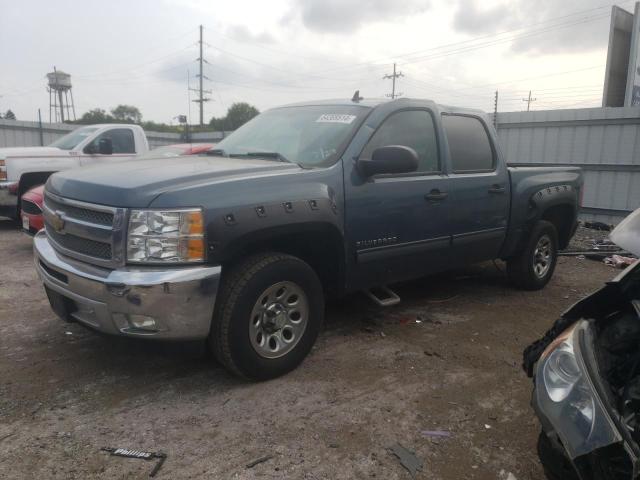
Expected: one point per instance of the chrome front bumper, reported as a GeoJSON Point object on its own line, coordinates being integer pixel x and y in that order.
{"type": "Point", "coordinates": [169, 303]}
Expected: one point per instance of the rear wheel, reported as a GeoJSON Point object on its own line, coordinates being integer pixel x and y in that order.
{"type": "Point", "coordinates": [268, 315]}
{"type": "Point", "coordinates": [533, 267]}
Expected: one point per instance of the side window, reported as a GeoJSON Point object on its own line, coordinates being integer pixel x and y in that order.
{"type": "Point", "coordinates": [411, 128]}
{"type": "Point", "coordinates": [469, 144]}
{"type": "Point", "coordinates": [121, 138]}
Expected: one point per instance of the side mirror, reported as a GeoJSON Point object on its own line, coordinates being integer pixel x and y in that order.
{"type": "Point", "coordinates": [105, 146]}
{"type": "Point", "coordinates": [389, 159]}
{"type": "Point", "coordinates": [90, 149]}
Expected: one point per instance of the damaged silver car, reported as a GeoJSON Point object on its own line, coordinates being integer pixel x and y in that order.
{"type": "Point", "coordinates": [586, 372]}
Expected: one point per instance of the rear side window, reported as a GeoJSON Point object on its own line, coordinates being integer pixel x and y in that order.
{"type": "Point", "coordinates": [121, 138]}
{"type": "Point", "coordinates": [469, 144]}
{"type": "Point", "coordinates": [410, 128]}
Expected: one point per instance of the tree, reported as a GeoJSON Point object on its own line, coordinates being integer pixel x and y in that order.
{"type": "Point", "coordinates": [127, 113]}
{"type": "Point", "coordinates": [9, 115]}
{"type": "Point", "coordinates": [237, 115]}
{"type": "Point", "coordinates": [97, 115]}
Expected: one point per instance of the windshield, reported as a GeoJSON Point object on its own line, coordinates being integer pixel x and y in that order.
{"type": "Point", "coordinates": [310, 136]}
{"type": "Point", "coordinates": [72, 139]}
{"type": "Point", "coordinates": [161, 152]}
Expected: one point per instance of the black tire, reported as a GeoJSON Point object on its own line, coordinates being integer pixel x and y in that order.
{"type": "Point", "coordinates": [239, 293]}
{"type": "Point", "coordinates": [520, 268]}
{"type": "Point", "coordinates": [555, 464]}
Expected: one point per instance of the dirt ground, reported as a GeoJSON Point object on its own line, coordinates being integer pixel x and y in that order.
{"type": "Point", "coordinates": [446, 358]}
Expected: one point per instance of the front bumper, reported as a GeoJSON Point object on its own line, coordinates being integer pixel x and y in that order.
{"type": "Point", "coordinates": [171, 303]}
{"type": "Point", "coordinates": [8, 199]}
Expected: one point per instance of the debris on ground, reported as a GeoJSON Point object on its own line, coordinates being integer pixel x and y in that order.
{"type": "Point", "coordinates": [436, 433]}
{"type": "Point", "coordinates": [504, 475]}
{"type": "Point", "coordinates": [598, 226]}
{"type": "Point", "coordinates": [429, 353]}
{"type": "Point", "coordinates": [142, 455]}
{"type": "Point", "coordinates": [407, 459]}
{"type": "Point", "coordinates": [619, 261]}
{"type": "Point", "coordinates": [258, 461]}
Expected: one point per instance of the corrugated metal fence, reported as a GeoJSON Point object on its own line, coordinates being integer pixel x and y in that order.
{"type": "Point", "coordinates": [605, 142]}
{"type": "Point", "coordinates": [28, 134]}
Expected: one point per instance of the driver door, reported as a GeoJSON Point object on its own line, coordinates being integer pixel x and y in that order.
{"type": "Point", "coordinates": [398, 224]}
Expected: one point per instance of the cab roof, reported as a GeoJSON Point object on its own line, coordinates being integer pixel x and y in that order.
{"type": "Point", "coordinates": [374, 102]}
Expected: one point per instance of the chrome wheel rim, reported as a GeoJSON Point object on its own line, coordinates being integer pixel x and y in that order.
{"type": "Point", "coordinates": [542, 256]}
{"type": "Point", "coordinates": [278, 319]}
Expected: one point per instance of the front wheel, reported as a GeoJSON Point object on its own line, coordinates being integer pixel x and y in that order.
{"type": "Point", "coordinates": [533, 267]}
{"type": "Point", "coordinates": [269, 312]}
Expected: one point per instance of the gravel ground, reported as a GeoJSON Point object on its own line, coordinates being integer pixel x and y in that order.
{"type": "Point", "coordinates": [446, 358]}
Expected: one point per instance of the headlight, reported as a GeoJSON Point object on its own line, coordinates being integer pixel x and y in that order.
{"type": "Point", "coordinates": [566, 397]}
{"type": "Point", "coordinates": [165, 236]}
{"type": "Point", "coordinates": [561, 372]}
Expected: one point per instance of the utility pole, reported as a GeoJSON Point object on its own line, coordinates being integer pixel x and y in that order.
{"type": "Point", "coordinates": [201, 76]}
{"type": "Point", "coordinates": [393, 77]}
{"type": "Point", "coordinates": [495, 111]}
{"type": "Point", "coordinates": [529, 100]}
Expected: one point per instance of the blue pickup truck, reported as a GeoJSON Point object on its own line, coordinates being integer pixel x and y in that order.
{"type": "Point", "coordinates": [242, 246]}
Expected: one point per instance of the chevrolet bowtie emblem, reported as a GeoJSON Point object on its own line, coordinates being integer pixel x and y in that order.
{"type": "Point", "coordinates": [57, 222]}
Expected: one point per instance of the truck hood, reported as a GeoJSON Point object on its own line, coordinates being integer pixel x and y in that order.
{"type": "Point", "coordinates": [18, 152]}
{"type": "Point", "coordinates": [138, 183]}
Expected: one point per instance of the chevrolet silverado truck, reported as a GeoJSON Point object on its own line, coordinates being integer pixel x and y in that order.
{"type": "Point", "coordinates": [22, 168]}
{"type": "Point", "coordinates": [242, 246]}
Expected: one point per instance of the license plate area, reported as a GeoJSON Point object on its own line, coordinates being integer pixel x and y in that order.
{"type": "Point", "coordinates": [25, 223]}
{"type": "Point", "coordinates": [62, 306]}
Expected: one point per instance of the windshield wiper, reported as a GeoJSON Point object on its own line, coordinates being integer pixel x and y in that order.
{"type": "Point", "coordinates": [268, 156]}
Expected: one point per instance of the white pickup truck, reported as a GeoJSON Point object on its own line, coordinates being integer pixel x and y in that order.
{"type": "Point", "coordinates": [22, 168]}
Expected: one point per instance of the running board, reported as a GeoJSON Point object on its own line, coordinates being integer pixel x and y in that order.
{"type": "Point", "coordinates": [382, 296]}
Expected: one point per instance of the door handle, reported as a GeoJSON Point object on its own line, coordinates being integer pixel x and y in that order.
{"type": "Point", "coordinates": [497, 189]}
{"type": "Point", "coordinates": [435, 195]}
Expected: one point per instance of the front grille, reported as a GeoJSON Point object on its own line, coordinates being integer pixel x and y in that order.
{"type": "Point", "coordinates": [85, 231]}
{"type": "Point", "coordinates": [84, 214]}
{"type": "Point", "coordinates": [29, 207]}
{"type": "Point", "coordinates": [83, 246]}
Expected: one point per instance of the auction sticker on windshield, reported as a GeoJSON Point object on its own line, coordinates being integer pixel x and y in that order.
{"type": "Point", "coordinates": [335, 118]}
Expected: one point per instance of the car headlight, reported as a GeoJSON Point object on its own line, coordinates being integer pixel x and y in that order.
{"type": "Point", "coordinates": [566, 397]}
{"type": "Point", "coordinates": [165, 236]}
{"type": "Point", "coordinates": [561, 372]}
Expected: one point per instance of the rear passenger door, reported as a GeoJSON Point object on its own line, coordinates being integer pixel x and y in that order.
{"type": "Point", "coordinates": [480, 189]}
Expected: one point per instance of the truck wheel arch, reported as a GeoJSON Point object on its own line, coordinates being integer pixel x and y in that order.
{"type": "Point", "coordinates": [562, 217]}
{"type": "Point", "coordinates": [319, 244]}
{"type": "Point", "coordinates": [28, 181]}
{"type": "Point", "coordinates": [32, 179]}
{"type": "Point", "coordinates": [556, 204]}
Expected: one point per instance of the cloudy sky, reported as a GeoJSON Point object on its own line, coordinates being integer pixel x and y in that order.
{"type": "Point", "coordinates": [278, 51]}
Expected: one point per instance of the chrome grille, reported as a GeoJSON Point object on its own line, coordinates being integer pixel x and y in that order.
{"type": "Point", "coordinates": [85, 214]}
{"type": "Point", "coordinates": [81, 245]}
{"type": "Point", "coordinates": [89, 232]}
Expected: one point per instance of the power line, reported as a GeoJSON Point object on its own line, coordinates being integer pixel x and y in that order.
{"type": "Point", "coordinates": [529, 100]}
{"type": "Point", "coordinates": [201, 98]}
{"type": "Point", "coordinates": [393, 77]}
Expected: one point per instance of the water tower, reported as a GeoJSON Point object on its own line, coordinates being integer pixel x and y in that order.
{"type": "Point", "coordinates": [59, 92]}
